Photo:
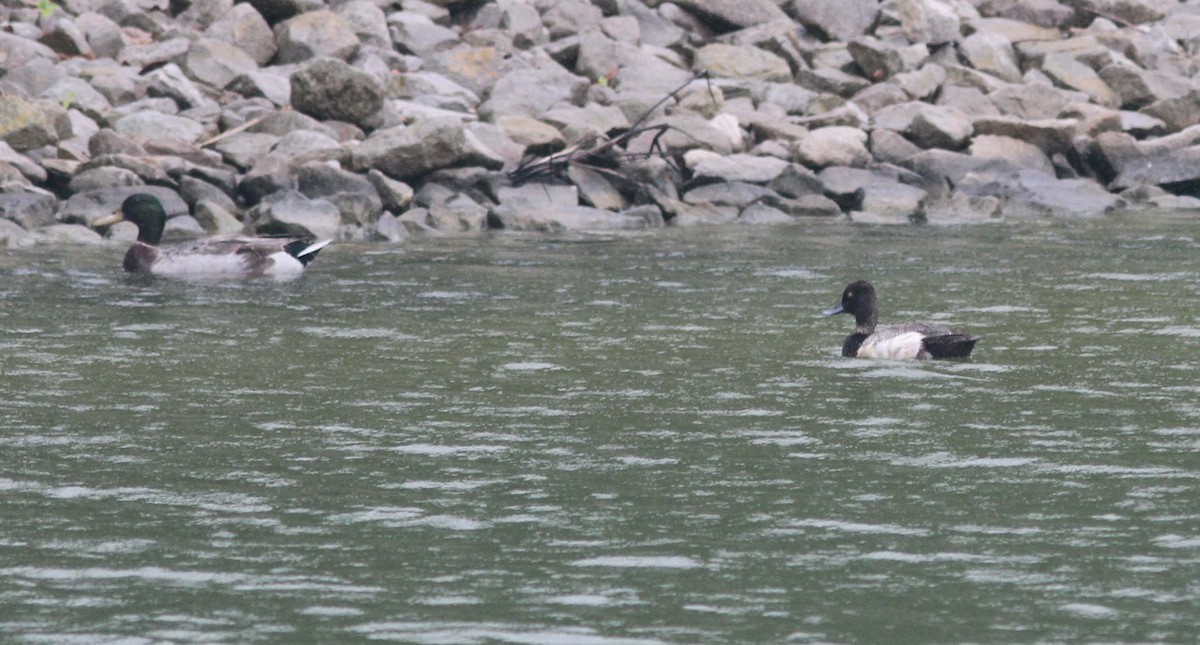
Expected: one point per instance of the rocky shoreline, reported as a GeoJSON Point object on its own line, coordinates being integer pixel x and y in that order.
{"type": "Point", "coordinates": [381, 120]}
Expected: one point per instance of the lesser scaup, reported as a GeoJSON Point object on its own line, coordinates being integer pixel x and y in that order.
{"type": "Point", "coordinates": [234, 256]}
{"type": "Point", "coordinates": [921, 341]}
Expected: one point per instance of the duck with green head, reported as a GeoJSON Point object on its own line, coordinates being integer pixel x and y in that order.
{"type": "Point", "coordinates": [232, 256]}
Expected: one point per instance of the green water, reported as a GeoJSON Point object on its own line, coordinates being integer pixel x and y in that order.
{"type": "Point", "coordinates": [609, 439]}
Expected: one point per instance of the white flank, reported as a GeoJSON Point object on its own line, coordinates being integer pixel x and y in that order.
{"type": "Point", "coordinates": [283, 265]}
{"type": "Point", "coordinates": [187, 265]}
{"type": "Point", "coordinates": [901, 346]}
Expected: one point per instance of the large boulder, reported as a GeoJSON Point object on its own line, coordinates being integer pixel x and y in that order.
{"type": "Point", "coordinates": [406, 152]}
{"type": "Point", "coordinates": [329, 88]}
{"type": "Point", "coordinates": [315, 34]}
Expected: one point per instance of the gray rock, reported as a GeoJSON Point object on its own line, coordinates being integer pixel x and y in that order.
{"type": "Point", "coordinates": [1141, 125]}
{"type": "Point", "coordinates": [993, 54]}
{"type": "Point", "coordinates": [390, 228]}
{"type": "Point", "coordinates": [418, 35]}
{"type": "Point", "coordinates": [193, 191]}
{"type": "Point", "coordinates": [741, 61]}
{"type": "Point", "coordinates": [922, 83]}
{"type": "Point", "coordinates": [590, 123]}
{"type": "Point", "coordinates": [1013, 151]}
{"type": "Point", "coordinates": [316, 34]}
{"type": "Point", "coordinates": [272, 174]}
{"type": "Point", "coordinates": [283, 122]}
{"type": "Point", "coordinates": [513, 94]}
{"type": "Point", "coordinates": [182, 227]}
{"type": "Point", "coordinates": [889, 200]}
{"type": "Point", "coordinates": [833, 146]}
{"type": "Point", "coordinates": [935, 126]}
{"type": "Point", "coordinates": [13, 236]}
{"type": "Point", "coordinates": [276, 89]}
{"type": "Point", "coordinates": [687, 131]}
{"type": "Point", "coordinates": [942, 167]}
{"type": "Point", "coordinates": [1177, 171]}
{"type": "Point", "coordinates": [814, 205]}
{"type": "Point", "coordinates": [763, 214]}
{"type": "Point", "coordinates": [1042, 195]}
{"type": "Point", "coordinates": [67, 234]}
{"type": "Point", "coordinates": [1044, 13]}
{"type": "Point", "coordinates": [642, 70]}
{"type": "Point", "coordinates": [107, 142]}
{"type": "Point", "coordinates": [354, 195]}
{"type": "Point", "coordinates": [888, 146]}
{"type": "Point", "coordinates": [878, 60]}
{"type": "Point", "coordinates": [735, 193]}
{"type": "Point", "coordinates": [879, 96]}
{"type": "Point", "coordinates": [524, 23]}
{"type": "Point", "coordinates": [171, 82]}
{"type": "Point", "coordinates": [87, 207]}
{"type": "Point", "coordinates": [734, 14]}
{"type": "Point", "coordinates": [959, 208]}
{"type": "Point", "coordinates": [214, 219]}
{"type": "Point", "coordinates": [539, 139]}
{"type": "Point", "coordinates": [156, 125]}
{"type": "Point", "coordinates": [928, 21]}
{"type": "Point", "coordinates": [26, 125]}
{"type": "Point", "coordinates": [277, 10]}
{"type": "Point", "coordinates": [290, 213]}
{"type": "Point", "coordinates": [395, 195]}
{"type": "Point", "coordinates": [141, 56]}
{"type": "Point", "coordinates": [1177, 113]}
{"type": "Point", "coordinates": [28, 168]}
{"type": "Point", "coordinates": [833, 81]}
{"type": "Point", "coordinates": [328, 88]}
{"type": "Point", "coordinates": [103, 177]}
{"type": "Point", "coordinates": [595, 189]}
{"type": "Point", "coordinates": [308, 145]}
{"type": "Point", "coordinates": [837, 20]}
{"type": "Point", "coordinates": [31, 210]}
{"type": "Point", "coordinates": [1136, 88]}
{"type": "Point", "coordinates": [438, 90]}
{"type": "Point", "coordinates": [243, 27]}
{"type": "Point", "coordinates": [1052, 136]}
{"type": "Point", "coordinates": [739, 168]}
{"type": "Point", "coordinates": [1070, 73]}
{"type": "Point", "coordinates": [367, 21]}
{"type": "Point", "coordinates": [796, 181]}
{"type": "Point", "coordinates": [406, 152]}
{"type": "Point", "coordinates": [245, 149]}
{"type": "Point", "coordinates": [65, 38]}
{"type": "Point", "coordinates": [102, 34]}
{"type": "Point", "coordinates": [34, 78]}
{"type": "Point", "coordinates": [570, 17]}
{"type": "Point", "coordinates": [217, 63]}
{"type": "Point", "coordinates": [19, 51]}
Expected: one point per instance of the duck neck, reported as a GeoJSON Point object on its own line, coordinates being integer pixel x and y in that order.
{"type": "Point", "coordinates": [864, 322]}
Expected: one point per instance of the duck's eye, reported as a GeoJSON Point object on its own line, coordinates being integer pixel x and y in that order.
{"type": "Point", "coordinates": [849, 294]}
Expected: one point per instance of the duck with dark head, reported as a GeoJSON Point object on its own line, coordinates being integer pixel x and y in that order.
{"type": "Point", "coordinates": [914, 340]}
{"type": "Point", "coordinates": [236, 256]}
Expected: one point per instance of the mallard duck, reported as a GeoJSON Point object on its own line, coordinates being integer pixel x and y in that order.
{"type": "Point", "coordinates": [232, 256]}
{"type": "Point", "coordinates": [921, 341]}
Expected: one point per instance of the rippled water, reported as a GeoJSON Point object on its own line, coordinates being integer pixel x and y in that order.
{"type": "Point", "coordinates": [608, 439]}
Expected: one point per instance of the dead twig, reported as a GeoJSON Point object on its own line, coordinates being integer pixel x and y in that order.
{"type": "Point", "coordinates": [589, 155]}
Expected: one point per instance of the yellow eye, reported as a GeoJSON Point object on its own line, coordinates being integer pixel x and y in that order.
{"type": "Point", "coordinates": [849, 294]}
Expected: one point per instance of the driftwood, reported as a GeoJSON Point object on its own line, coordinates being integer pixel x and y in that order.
{"type": "Point", "coordinates": [598, 156]}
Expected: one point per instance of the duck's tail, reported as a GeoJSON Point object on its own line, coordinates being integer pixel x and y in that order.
{"type": "Point", "coordinates": [950, 345]}
{"type": "Point", "coordinates": [305, 252]}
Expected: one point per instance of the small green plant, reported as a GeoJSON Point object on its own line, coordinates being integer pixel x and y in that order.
{"type": "Point", "coordinates": [602, 81]}
{"type": "Point", "coordinates": [47, 7]}
{"type": "Point", "coordinates": [67, 100]}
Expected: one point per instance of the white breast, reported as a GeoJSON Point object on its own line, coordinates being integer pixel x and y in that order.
{"type": "Point", "coordinates": [905, 345]}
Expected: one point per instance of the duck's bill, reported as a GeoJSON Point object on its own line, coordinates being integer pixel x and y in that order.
{"type": "Point", "coordinates": [834, 310]}
{"type": "Point", "coordinates": [108, 220]}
